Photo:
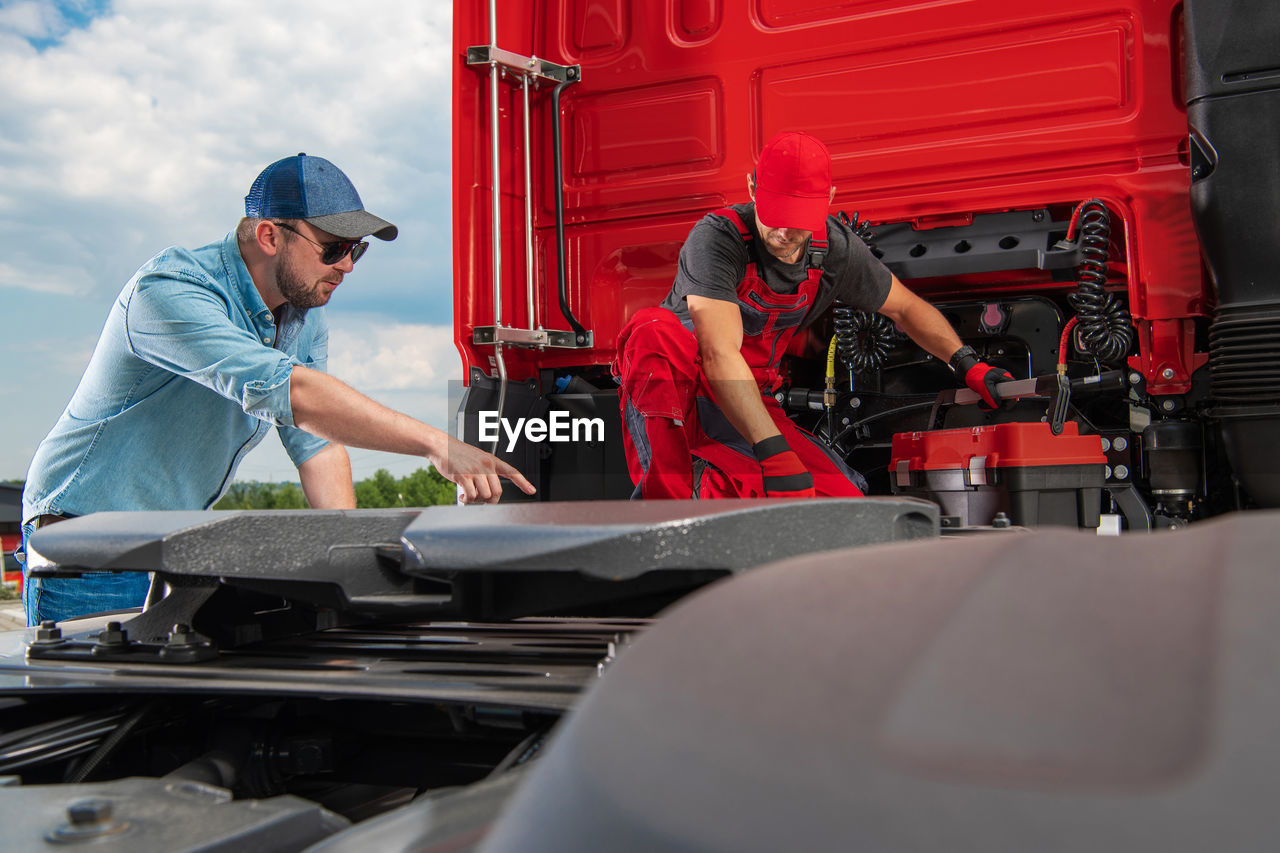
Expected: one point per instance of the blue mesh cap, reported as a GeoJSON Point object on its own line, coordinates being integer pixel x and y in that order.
{"type": "Point", "coordinates": [314, 189]}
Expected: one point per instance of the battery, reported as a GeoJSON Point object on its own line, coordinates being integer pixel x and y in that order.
{"type": "Point", "coordinates": [1021, 469]}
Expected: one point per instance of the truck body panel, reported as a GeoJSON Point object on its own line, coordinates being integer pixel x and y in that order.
{"type": "Point", "coordinates": [940, 118]}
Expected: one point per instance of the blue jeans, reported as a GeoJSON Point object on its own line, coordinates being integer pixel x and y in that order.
{"type": "Point", "coordinates": [67, 598]}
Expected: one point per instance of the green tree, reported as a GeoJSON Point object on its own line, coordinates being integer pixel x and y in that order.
{"type": "Point", "coordinates": [254, 495]}
{"type": "Point", "coordinates": [287, 496]}
{"type": "Point", "coordinates": [427, 488]}
{"type": "Point", "coordinates": [424, 487]}
{"type": "Point", "coordinates": [380, 490]}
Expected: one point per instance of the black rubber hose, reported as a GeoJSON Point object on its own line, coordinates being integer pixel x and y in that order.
{"type": "Point", "coordinates": [1104, 324]}
{"type": "Point", "coordinates": [878, 416]}
{"type": "Point", "coordinates": [522, 752]}
{"type": "Point", "coordinates": [112, 742]}
{"type": "Point", "coordinates": [67, 737]}
{"type": "Point", "coordinates": [556, 157]}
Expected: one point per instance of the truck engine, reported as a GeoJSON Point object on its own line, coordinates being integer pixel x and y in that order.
{"type": "Point", "coordinates": [1077, 187]}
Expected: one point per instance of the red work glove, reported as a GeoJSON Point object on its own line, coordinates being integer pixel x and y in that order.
{"type": "Point", "coordinates": [784, 474]}
{"type": "Point", "coordinates": [982, 378]}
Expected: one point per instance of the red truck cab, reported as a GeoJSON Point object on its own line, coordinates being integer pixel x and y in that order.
{"type": "Point", "coordinates": [589, 136]}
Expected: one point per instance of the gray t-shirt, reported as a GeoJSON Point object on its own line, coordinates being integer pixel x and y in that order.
{"type": "Point", "coordinates": [714, 260]}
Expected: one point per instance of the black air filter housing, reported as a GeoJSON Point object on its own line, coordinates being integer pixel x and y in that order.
{"type": "Point", "coordinates": [1233, 114]}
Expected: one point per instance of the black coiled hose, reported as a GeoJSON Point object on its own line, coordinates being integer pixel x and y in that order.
{"type": "Point", "coordinates": [1104, 325]}
{"type": "Point", "coordinates": [861, 229]}
{"type": "Point", "coordinates": [863, 338]}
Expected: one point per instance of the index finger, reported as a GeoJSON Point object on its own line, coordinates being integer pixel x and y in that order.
{"type": "Point", "coordinates": [516, 477]}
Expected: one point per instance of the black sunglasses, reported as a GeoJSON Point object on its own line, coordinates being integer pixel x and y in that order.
{"type": "Point", "coordinates": [332, 253]}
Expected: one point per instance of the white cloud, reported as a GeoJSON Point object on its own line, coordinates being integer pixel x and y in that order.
{"type": "Point", "coordinates": [32, 20]}
{"type": "Point", "coordinates": [157, 116]}
{"type": "Point", "coordinates": [373, 357]}
{"type": "Point", "coordinates": [144, 126]}
{"type": "Point", "coordinates": [46, 278]}
{"type": "Point", "coordinates": [406, 366]}
{"type": "Point", "coordinates": [61, 355]}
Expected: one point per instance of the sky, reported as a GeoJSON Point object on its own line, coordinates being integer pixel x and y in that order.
{"type": "Point", "coordinates": [132, 125]}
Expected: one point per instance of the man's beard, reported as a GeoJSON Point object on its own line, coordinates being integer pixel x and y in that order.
{"type": "Point", "coordinates": [295, 290]}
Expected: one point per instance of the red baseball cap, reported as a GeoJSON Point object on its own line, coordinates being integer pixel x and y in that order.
{"type": "Point", "coordinates": [793, 183]}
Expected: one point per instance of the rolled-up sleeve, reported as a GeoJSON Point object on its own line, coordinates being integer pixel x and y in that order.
{"type": "Point", "coordinates": [313, 352]}
{"type": "Point", "coordinates": [184, 327]}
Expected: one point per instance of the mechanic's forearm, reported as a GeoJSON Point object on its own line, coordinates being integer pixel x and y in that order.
{"type": "Point", "coordinates": [326, 479]}
{"type": "Point", "coordinates": [925, 325]}
{"type": "Point", "coordinates": [333, 410]}
{"type": "Point", "coordinates": [738, 395]}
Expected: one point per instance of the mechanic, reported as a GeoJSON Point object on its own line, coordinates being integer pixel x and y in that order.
{"type": "Point", "coordinates": [202, 352]}
{"type": "Point", "coordinates": [697, 372]}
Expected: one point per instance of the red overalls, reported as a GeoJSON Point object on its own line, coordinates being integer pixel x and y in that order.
{"type": "Point", "coordinates": [678, 442]}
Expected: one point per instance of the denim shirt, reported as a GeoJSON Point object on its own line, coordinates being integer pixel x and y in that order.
{"type": "Point", "coordinates": [187, 377]}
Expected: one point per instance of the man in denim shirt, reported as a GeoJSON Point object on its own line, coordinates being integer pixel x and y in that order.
{"type": "Point", "coordinates": [203, 351]}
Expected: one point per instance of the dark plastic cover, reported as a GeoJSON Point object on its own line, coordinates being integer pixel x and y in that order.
{"type": "Point", "coordinates": [1053, 690]}
{"type": "Point", "coordinates": [615, 540]}
{"type": "Point", "coordinates": [1232, 46]}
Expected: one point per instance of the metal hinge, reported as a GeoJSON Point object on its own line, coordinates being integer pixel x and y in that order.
{"type": "Point", "coordinates": [482, 335]}
{"type": "Point", "coordinates": [530, 66]}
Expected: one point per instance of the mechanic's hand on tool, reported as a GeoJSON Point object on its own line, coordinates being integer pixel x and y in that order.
{"type": "Point", "coordinates": [784, 474]}
{"type": "Point", "coordinates": [982, 378]}
{"type": "Point", "coordinates": [476, 473]}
